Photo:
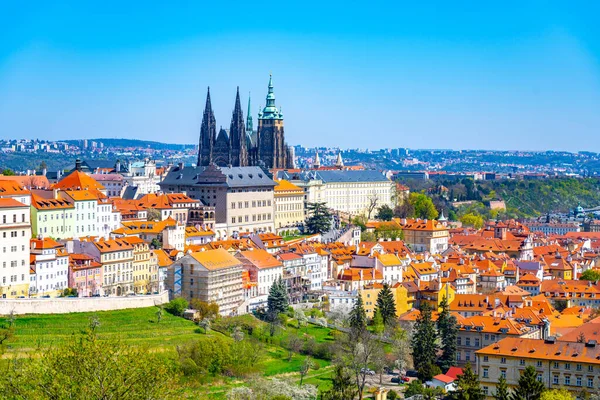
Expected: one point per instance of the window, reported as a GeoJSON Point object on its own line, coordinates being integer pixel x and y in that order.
{"type": "Point", "coordinates": [555, 379]}
{"type": "Point", "coordinates": [539, 364]}
{"type": "Point", "coordinates": [486, 373]}
{"type": "Point", "coordinates": [503, 373]}
{"type": "Point", "coordinates": [578, 381]}
{"type": "Point", "coordinates": [555, 364]}
{"type": "Point", "coordinates": [578, 367]}
{"type": "Point", "coordinates": [468, 341]}
{"type": "Point", "coordinates": [503, 360]}
{"type": "Point", "coordinates": [485, 358]}
{"type": "Point", "coordinates": [485, 390]}
{"type": "Point", "coordinates": [539, 377]}
{"type": "Point", "coordinates": [567, 366]}
{"type": "Point", "coordinates": [590, 368]}
{"type": "Point", "coordinates": [590, 382]}
{"type": "Point", "coordinates": [476, 342]}
{"type": "Point", "coordinates": [459, 341]}
{"type": "Point", "coordinates": [567, 380]}
{"type": "Point", "coordinates": [521, 362]}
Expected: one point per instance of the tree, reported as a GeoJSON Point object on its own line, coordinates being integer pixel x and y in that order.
{"type": "Point", "coordinates": [590, 275]}
{"type": "Point", "coordinates": [560, 305]}
{"type": "Point", "coordinates": [447, 327]}
{"type": "Point", "coordinates": [205, 309]}
{"type": "Point", "coordinates": [557, 394]}
{"type": "Point", "coordinates": [372, 201]}
{"type": "Point", "coordinates": [152, 214]}
{"type": "Point", "coordinates": [386, 305]}
{"type": "Point", "coordinates": [204, 324]}
{"type": "Point", "coordinates": [405, 210]}
{"type": "Point", "coordinates": [301, 318]}
{"type": "Point", "coordinates": [159, 314]}
{"type": "Point", "coordinates": [423, 206]}
{"type": "Point", "coordinates": [413, 388]}
{"type": "Point", "coordinates": [342, 385]}
{"type": "Point", "coordinates": [424, 343]}
{"type": "Point", "coordinates": [319, 220]}
{"type": "Point", "coordinates": [358, 318]}
{"type": "Point", "coordinates": [8, 172]}
{"type": "Point", "coordinates": [155, 243]}
{"type": "Point", "coordinates": [277, 301]}
{"type": "Point", "coordinates": [471, 219]}
{"type": "Point", "coordinates": [385, 213]}
{"type": "Point", "coordinates": [467, 386]}
{"type": "Point", "coordinates": [85, 367]}
{"type": "Point", "coordinates": [306, 365]}
{"type": "Point", "coordinates": [529, 388]}
{"type": "Point", "coordinates": [377, 322]}
{"type": "Point", "coordinates": [177, 306]}
{"type": "Point", "coordinates": [358, 353]}
{"type": "Point", "coordinates": [401, 348]}
{"type": "Point", "coordinates": [501, 390]}
{"type": "Point", "coordinates": [293, 344]}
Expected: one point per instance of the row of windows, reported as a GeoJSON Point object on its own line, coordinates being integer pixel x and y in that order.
{"type": "Point", "coordinates": [13, 234]}
{"type": "Point", "coordinates": [13, 263]}
{"type": "Point", "coordinates": [255, 203]}
{"type": "Point", "coordinates": [14, 218]}
{"type": "Point", "coordinates": [14, 278]}
{"type": "Point", "coordinates": [255, 217]}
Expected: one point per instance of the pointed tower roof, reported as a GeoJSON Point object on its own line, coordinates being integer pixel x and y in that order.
{"type": "Point", "coordinates": [208, 106]}
{"type": "Point", "coordinates": [249, 124]}
{"type": "Point", "coordinates": [339, 162]}
{"type": "Point", "coordinates": [442, 218]}
{"type": "Point", "coordinates": [270, 111]}
{"type": "Point", "coordinates": [317, 162]}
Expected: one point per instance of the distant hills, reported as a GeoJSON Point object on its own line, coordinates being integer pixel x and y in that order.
{"type": "Point", "coordinates": [133, 143]}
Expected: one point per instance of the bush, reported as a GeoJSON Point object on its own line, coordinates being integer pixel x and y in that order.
{"type": "Point", "coordinates": [392, 395]}
{"type": "Point", "coordinates": [177, 306]}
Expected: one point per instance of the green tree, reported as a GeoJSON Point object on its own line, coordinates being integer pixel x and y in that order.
{"type": "Point", "coordinates": [357, 318]}
{"type": "Point", "coordinates": [424, 343]}
{"type": "Point", "coordinates": [470, 219]}
{"type": "Point", "coordinates": [377, 322]}
{"type": "Point", "coordinates": [423, 206]}
{"type": "Point", "coordinates": [413, 388]}
{"type": "Point", "coordinates": [447, 327]}
{"type": "Point", "coordinates": [385, 213]}
{"type": "Point", "coordinates": [156, 244]}
{"type": "Point", "coordinates": [560, 305]}
{"type": "Point", "coordinates": [467, 386]}
{"type": "Point", "coordinates": [278, 300]}
{"type": "Point", "coordinates": [176, 306]}
{"type": "Point", "coordinates": [153, 214]}
{"type": "Point", "coordinates": [529, 388]}
{"type": "Point", "coordinates": [205, 309]}
{"type": "Point", "coordinates": [8, 172]}
{"type": "Point", "coordinates": [88, 368]}
{"type": "Point", "coordinates": [590, 275]}
{"type": "Point", "coordinates": [342, 385]}
{"type": "Point", "coordinates": [502, 390]}
{"type": "Point", "coordinates": [387, 305]}
{"type": "Point", "coordinates": [319, 220]}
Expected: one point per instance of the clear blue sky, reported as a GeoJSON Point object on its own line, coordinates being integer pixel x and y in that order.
{"type": "Point", "coordinates": [513, 75]}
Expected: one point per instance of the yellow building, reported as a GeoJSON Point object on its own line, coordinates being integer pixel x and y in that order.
{"type": "Point", "coordinates": [145, 266]}
{"type": "Point", "coordinates": [289, 205]}
{"type": "Point", "coordinates": [433, 293]}
{"type": "Point", "coordinates": [369, 297]}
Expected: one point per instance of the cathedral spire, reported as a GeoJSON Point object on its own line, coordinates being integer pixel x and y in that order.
{"type": "Point", "coordinates": [317, 162]}
{"type": "Point", "coordinates": [339, 162]}
{"type": "Point", "coordinates": [270, 111]}
{"type": "Point", "coordinates": [237, 135]}
{"type": "Point", "coordinates": [208, 133]}
{"type": "Point", "coordinates": [249, 124]}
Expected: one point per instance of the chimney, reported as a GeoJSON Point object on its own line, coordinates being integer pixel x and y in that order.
{"type": "Point", "coordinates": [180, 166]}
{"type": "Point", "coordinates": [118, 166]}
{"type": "Point", "coordinates": [78, 164]}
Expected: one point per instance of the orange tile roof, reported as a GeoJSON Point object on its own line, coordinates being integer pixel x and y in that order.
{"type": "Point", "coordinates": [12, 188]}
{"type": "Point", "coordinates": [82, 195]}
{"type": "Point", "coordinates": [261, 259]}
{"type": "Point", "coordinates": [389, 260]}
{"type": "Point", "coordinates": [45, 243]}
{"type": "Point", "coordinates": [28, 181]}
{"type": "Point", "coordinates": [539, 349]}
{"type": "Point", "coordinates": [354, 274]}
{"type": "Point", "coordinates": [215, 259]}
{"type": "Point", "coordinates": [41, 203]}
{"type": "Point", "coordinates": [163, 258]}
{"type": "Point", "coordinates": [10, 203]}
{"type": "Point", "coordinates": [111, 245]}
{"type": "Point", "coordinates": [78, 180]}
{"type": "Point", "coordinates": [192, 231]}
{"type": "Point", "coordinates": [287, 186]}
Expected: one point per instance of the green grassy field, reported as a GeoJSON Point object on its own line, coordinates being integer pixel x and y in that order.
{"type": "Point", "coordinates": [139, 327]}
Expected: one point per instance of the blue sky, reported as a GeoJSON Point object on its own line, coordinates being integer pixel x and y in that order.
{"type": "Point", "coordinates": [508, 75]}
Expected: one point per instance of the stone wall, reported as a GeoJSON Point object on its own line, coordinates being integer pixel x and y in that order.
{"type": "Point", "coordinates": [79, 304]}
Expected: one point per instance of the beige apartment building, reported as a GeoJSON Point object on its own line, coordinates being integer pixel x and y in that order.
{"type": "Point", "coordinates": [559, 365]}
{"type": "Point", "coordinates": [211, 275]}
{"type": "Point", "coordinates": [289, 206]}
{"type": "Point", "coordinates": [145, 266]}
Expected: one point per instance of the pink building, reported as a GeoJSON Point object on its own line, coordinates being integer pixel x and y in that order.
{"type": "Point", "coordinates": [85, 275]}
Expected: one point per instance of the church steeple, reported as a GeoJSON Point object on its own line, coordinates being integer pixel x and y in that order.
{"type": "Point", "coordinates": [317, 162]}
{"type": "Point", "coordinates": [208, 133]}
{"type": "Point", "coordinates": [339, 162]}
{"type": "Point", "coordinates": [237, 135]}
{"type": "Point", "coordinates": [270, 111]}
{"type": "Point", "coordinates": [249, 124]}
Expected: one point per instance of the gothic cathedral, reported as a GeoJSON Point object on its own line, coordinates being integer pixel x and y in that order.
{"type": "Point", "coordinates": [242, 146]}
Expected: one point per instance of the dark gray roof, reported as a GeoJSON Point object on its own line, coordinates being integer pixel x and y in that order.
{"type": "Point", "coordinates": [130, 193]}
{"type": "Point", "coordinates": [218, 176]}
{"type": "Point", "coordinates": [367, 175]}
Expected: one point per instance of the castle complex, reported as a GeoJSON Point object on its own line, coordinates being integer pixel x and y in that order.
{"type": "Point", "coordinates": [243, 147]}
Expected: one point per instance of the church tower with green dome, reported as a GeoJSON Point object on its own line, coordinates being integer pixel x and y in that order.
{"type": "Point", "coordinates": [271, 148]}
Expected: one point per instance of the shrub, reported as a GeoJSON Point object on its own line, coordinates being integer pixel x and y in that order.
{"type": "Point", "coordinates": [176, 306]}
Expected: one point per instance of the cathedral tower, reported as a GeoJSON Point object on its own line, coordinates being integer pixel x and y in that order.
{"type": "Point", "coordinates": [272, 149]}
{"type": "Point", "coordinates": [208, 134]}
{"type": "Point", "coordinates": [237, 135]}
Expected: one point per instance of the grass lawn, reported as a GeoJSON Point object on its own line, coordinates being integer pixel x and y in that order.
{"type": "Point", "coordinates": [135, 326]}
{"type": "Point", "coordinates": [139, 327]}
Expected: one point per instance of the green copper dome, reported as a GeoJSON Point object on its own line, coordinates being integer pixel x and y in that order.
{"type": "Point", "coordinates": [270, 111]}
